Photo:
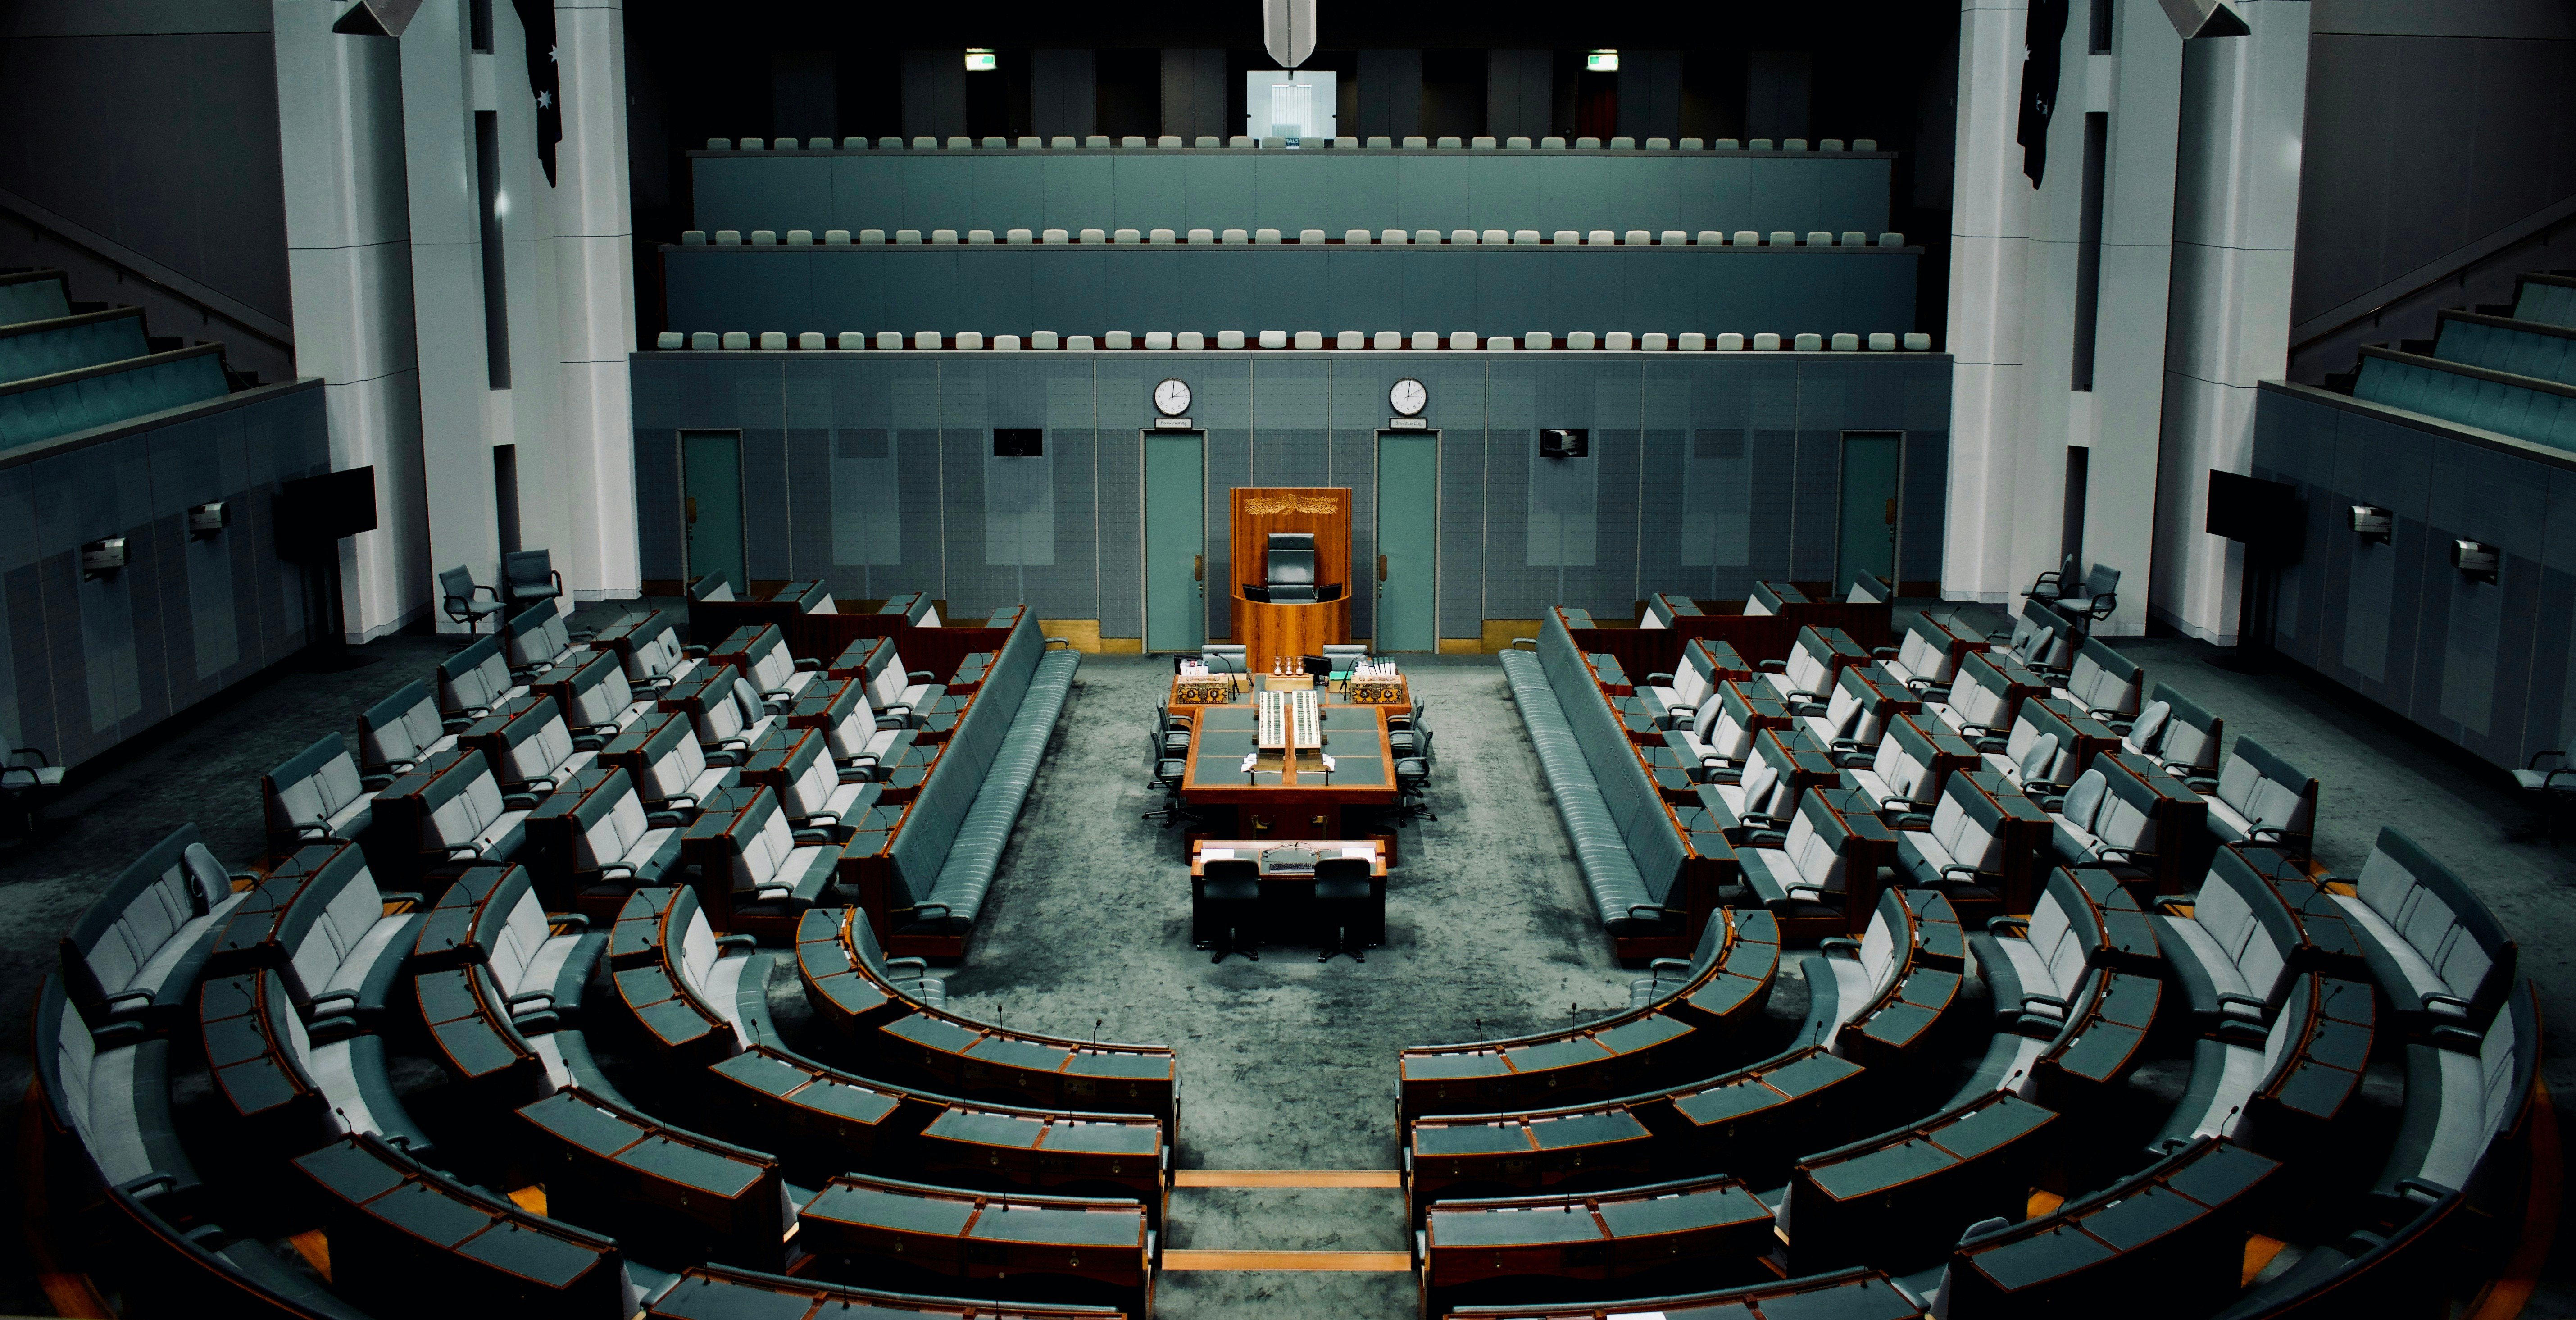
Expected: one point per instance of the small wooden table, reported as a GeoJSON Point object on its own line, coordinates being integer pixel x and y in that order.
{"type": "Point", "coordinates": [1205, 690]}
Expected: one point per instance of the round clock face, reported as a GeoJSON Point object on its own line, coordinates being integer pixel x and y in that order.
{"type": "Point", "coordinates": [1172, 397]}
{"type": "Point", "coordinates": [1407, 397]}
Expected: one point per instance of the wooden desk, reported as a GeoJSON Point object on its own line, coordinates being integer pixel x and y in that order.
{"type": "Point", "coordinates": [1298, 796]}
{"type": "Point", "coordinates": [1251, 850]}
{"type": "Point", "coordinates": [1210, 690]}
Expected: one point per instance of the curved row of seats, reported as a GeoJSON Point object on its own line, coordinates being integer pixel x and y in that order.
{"type": "Point", "coordinates": [2033, 786]}
{"type": "Point", "coordinates": [1421, 341]}
{"type": "Point", "coordinates": [1098, 142]}
{"type": "Point", "coordinates": [1850, 238]}
{"type": "Point", "coordinates": [63, 371]}
{"type": "Point", "coordinates": [594, 1031]}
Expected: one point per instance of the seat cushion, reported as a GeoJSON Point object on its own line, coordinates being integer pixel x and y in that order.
{"type": "Point", "coordinates": [2201, 964]}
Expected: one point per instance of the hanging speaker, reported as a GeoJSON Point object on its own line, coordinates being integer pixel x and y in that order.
{"type": "Point", "coordinates": [1287, 30]}
{"type": "Point", "coordinates": [2204, 18]}
{"type": "Point", "coordinates": [377, 18]}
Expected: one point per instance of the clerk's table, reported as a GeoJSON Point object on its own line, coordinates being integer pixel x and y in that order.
{"type": "Point", "coordinates": [1292, 795]}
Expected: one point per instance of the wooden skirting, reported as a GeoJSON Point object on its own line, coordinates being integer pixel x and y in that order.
{"type": "Point", "coordinates": [1500, 632]}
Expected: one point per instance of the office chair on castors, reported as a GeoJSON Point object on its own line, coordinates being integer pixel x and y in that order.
{"type": "Point", "coordinates": [1225, 904]}
{"type": "Point", "coordinates": [1173, 729]}
{"type": "Point", "coordinates": [1166, 771]}
{"type": "Point", "coordinates": [1403, 725]}
{"type": "Point", "coordinates": [1350, 906]}
{"type": "Point", "coordinates": [1413, 780]}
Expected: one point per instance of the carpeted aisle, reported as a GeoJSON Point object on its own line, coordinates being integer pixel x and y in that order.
{"type": "Point", "coordinates": [1287, 1063]}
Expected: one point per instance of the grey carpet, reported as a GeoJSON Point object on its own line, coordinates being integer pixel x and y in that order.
{"type": "Point", "coordinates": [1286, 1064]}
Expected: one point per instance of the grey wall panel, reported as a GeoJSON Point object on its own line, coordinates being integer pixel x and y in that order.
{"type": "Point", "coordinates": [1520, 93]}
{"type": "Point", "coordinates": [92, 662]}
{"type": "Point", "coordinates": [1390, 94]}
{"type": "Point", "coordinates": [1003, 289]}
{"type": "Point", "coordinates": [1063, 92]}
{"type": "Point", "coordinates": [1650, 93]}
{"type": "Point", "coordinates": [1332, 190]}
{"type": "Point", "coordinates": [2551, 719]}
{"type": "Point", "coordinates": [1696, 483]}
{"type": "Point", "coordinates": [766, 540]}
{"type": "Point", "coordinates": [934, 93]}
{"type": "Point", "coordinates": [1194, 94]}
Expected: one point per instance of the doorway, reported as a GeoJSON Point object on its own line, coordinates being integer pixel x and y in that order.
{"type": "Point", "coordinates": [1408, 541]}
{"type": "Point", "coordinates": [1866, 543]}
{"type": "Point", "coordinates": [711, 503]}
{"type": "Point", "coordinates": [1175, 540]}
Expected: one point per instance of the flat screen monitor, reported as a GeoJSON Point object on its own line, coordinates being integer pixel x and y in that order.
{"type": "Point", "coordinates": [323, 509]}
{"type": "Point", "coordinates": [2252, 510]}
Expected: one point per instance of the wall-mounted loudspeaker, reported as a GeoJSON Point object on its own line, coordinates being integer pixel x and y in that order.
{"type": "Point", "coordinates": [2372, 523]}
{"type": "Point", "coordinates": [206, 520]}
{"type": "Point", "coordinates": [1564, 444]}
{"type": "Point", "coordinates": [102, 556]}
{"type": "Point", "coordinates": [2476, 560]}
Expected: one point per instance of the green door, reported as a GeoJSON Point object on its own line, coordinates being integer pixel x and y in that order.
{"type": "Point", "coordinates": [1408, 541]}
{"type": "Point", "coordinates": [711, 498]}
{"type": "Point", "coordinates": [1867, 543]}
{"type": "Point", "coordinates": [1175, 540]}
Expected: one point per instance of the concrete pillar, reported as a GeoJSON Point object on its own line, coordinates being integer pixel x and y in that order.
{"type": "Point", "coordinates": [2236, 228]}
{"type": "Point", "coordinates": [340, 141]}
{"type": "Point", "coordinates": [1989, 235]}
{"type": "Point", "coordinates": [594, 259]}
{"type": "Point", "coordinates": [444, 83]}
{"type": "Point", "coordinates": [595, 282]}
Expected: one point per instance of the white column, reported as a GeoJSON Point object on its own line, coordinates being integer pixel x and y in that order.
{"type": "Point", "coordinates": [1988, 238]}
{"type": "Point", "coordinates": [340, 139]}
{"type": "Point", "coordinates": [444, 83]}
{"type": "Point", "coordinates": [2236, 230]}
{"type": "Point", "coordinates": [595, 280]}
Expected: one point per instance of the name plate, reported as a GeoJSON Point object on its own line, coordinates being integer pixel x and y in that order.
{"type": "Point", "coordinates": [1408, 424]}
{"type": "Point", "coordinates": [1173, 424]}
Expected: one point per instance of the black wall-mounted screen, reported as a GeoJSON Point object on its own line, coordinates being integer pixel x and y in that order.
{"type": "Point", "coordinates": [1019, 442]}
{"type": "Point", "coordinates": [323, 509]}
{"type": "Point", "coordinates": [2252, 510]}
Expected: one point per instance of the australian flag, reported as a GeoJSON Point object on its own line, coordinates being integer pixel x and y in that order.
{"type": "Point", "coordinates": [537, 18]}
{"type": "Point", "coordinates": [2045, 33]}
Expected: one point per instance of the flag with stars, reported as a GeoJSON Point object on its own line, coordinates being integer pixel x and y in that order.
{"type": "Point", "coordinates": [537, 18]}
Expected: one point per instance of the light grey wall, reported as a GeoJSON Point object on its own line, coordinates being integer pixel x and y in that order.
{"type": "Point", "coordinates": [2428, 127]}
{"type": "Point", "coordinates": [152, 123]}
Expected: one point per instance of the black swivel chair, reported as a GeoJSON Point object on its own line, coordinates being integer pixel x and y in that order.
{"type": "Point", "coordinates": [1290, 568]}
{"type": "Point", "coordinates": [1413, 780]}
{"type": "Point", "coordinates": [1173, 730]}
{"type": "Point", "coordinates": [1349, 906]}
{"type": "Point", "coordinates": [1166, 770]}
{"type": "Point", "coordinates": [1402, 727]}
{"type": "Point", "coordinates": [529, 576]}
{"type": "Point", "coordinates": [1225, 907]}
{"type": "Point", "coordinates": [456, 592]}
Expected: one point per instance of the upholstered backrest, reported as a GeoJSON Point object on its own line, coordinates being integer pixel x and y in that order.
{"type": "Point", "coordinates": [670, 763]}
{"type": "Point", "coordinates": [810, 786]}
{"type": "Point", "coordinates": [1732, 737]}
{"type": "Point", "coordinates": [1811, 663]}
{"type": "Point", "coordinates": [886, 681]}
{"type": "Point", "coordinates": [330, 915]}
{"type": "Point", "coordinates": [2267, 790]}
{"type": "Point", "coordinates": [313, 785]}
{"type": "Point", "coordinates": [399, 728]}
{"type": "Point", "coordinates": [1815, 844]}
{"type": "Point", "coordinates": [2084, 799]}
{"type": "Point", "coordinates": [2127, 816]}
{"type": "Point", "coordinates": [2190, 735]}
{"type": "Point", "coordinates": [655, 653]}
{"type": "Point", "coordinates": [535, 743]}
{"type": "Point", "coordinates": [2434, 911]}
{"type": "Point", "coordinates": [518, 934]}
{"type": "Point", "coordinates": [693, 953]}
{"type": "Point", "coordinates": [1842, 709]}
{"type": "Point", "coordinates": [1878, 944]}
{"type": "Point", "coordinates": [461, 802]}
{"type": "Point", "coordinates": [1968, 826]}
{"type": "Point", "coordinates": [474, 677]}
{"type": "Point", "coordinates": [535, 636]}
{"type": "Point", "coordinates": [2146, 733]}
{"type": "Point", "coordinates": [599, 692]}
{"type": "Point", "coordinates": [174, 882]}
{"type": "Point", "coordinates": [2248, 920]}
{"type": "Point", "coordinates": [1705, 720]}
{"type": "Point", "coordinates": [762, 839]}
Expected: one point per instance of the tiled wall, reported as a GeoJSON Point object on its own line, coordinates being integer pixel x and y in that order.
{"type": "Point", "coordinates": [87, 664]}
{"type": "Point", "coordinates": [1709, 470]}
{"type": "Point", "coordinates": [2483, 665]}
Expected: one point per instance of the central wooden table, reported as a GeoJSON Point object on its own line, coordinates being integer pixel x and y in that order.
{"type": "Point", "coordinates": [1289, 797]}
